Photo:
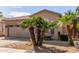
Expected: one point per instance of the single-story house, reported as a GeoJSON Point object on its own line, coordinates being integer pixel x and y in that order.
{"type": "Point", "coordinates": [9, 26]}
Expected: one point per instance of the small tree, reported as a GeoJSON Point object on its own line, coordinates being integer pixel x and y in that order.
{"type": "Point", "coordinates": [42, 25]}
{"type": "Point", "coordinates": [69, 19]}
{"type": "Point", "coordinates": [29, 23]}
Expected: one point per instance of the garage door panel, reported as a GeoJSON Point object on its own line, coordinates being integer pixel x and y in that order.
{"type": "Point", "coordinates": [18, 32]}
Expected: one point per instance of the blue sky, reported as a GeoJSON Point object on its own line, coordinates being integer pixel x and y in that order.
{"type": "Point", "coordinates": [14, 11]}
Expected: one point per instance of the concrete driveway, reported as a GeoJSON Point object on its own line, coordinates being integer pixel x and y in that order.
{"type": "Point", "coordinates": [4, 42]}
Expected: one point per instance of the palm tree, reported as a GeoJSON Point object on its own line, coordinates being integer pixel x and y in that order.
{"type": "Point", "coordinates": [38, 29]}
{"type": "Point", "coordinates": [69, 19]}
{"type": "Point", "coordinates": [77, 10]}
{"type": "Point", "coordinates": [42, 25]}
{"type": "Point", "coordinates": [29, 23]}
{"type": "Point", "coordinates": [46, 25]}
{"type": "Point", "coordinates": [75, 22]}
{"type": "Point", "coordinates": [77, 28]}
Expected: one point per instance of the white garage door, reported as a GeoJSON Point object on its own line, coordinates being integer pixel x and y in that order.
{"type": "Point", "coordinates": [18, 32]}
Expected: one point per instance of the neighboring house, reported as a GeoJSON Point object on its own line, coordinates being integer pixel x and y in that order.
{"type": "Point", "coordinates": [10, 25]}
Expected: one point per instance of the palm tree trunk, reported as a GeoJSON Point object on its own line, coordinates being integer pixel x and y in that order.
{"type": "Point", "coordinates": [42, 37]}
{"type": "Point", "coordinates": [32, 35]}
{"type": "Point", "coordinates": [74, 29]}
{"type": "Point", "coordinates": [38, 36]}
{"type": "Point", "coordinates": [70, 35]}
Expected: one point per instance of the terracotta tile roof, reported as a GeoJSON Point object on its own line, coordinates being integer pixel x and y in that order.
{"type": "Point", "coordinates": [47, 11]}
{"type": "Point", "coordinates": [24, 17]}
{"type": "Point", "coordinates": [16, 18]}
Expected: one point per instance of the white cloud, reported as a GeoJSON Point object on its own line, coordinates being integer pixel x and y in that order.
{"type": "Point", "coordinates": [17, 14]}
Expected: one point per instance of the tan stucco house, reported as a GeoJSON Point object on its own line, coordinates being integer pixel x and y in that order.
{"type": "Point", "coordinates": [9, 26]}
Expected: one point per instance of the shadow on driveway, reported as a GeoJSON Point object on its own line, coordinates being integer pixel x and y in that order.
{"type": "Point", "coordinates": [48, 50]}
{"type": "Point", "coordinates": [17, 38]}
